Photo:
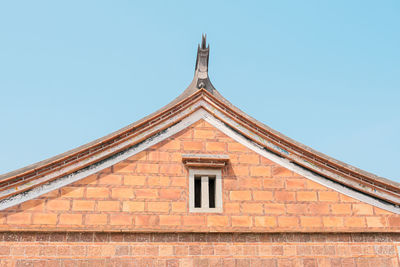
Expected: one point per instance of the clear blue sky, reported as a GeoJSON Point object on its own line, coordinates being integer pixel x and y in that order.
{"type": "Point", "coordinates": [326, 74]}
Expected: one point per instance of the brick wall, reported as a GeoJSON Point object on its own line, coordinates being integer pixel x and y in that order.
{"type": "Point", "coordinates": [189, 249]}
{"type": "Point", "coordinates": [149, 192]}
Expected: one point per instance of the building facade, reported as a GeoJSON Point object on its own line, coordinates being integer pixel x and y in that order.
{"type": "Point", "coordinates": [197, 183]}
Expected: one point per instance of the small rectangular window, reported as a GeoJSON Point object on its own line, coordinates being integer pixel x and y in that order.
{"type": "Point", "coordinates": [205, 190]}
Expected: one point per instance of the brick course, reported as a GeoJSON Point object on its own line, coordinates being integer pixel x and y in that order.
{"type": "Point", "coordinates": [195, 249]}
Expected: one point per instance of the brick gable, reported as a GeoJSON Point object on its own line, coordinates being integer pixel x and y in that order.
{"type": "Point", "coordinates": [149, 191]}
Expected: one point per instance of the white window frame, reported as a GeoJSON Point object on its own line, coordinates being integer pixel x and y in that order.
{"type": "Point", "coordinates": [205, 174]}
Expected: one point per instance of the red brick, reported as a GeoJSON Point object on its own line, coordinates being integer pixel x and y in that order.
{"type": "Point", "coordinates": [158, 206]}
{"type": "Point", "coordinates": [288, 222]}
{"type": "Point", "coordinates": [215, 146]}
{"type": "Point", "coordinates": [239, 170]}
{"type": "Point", "coordinates": [96, 219]}
{"type": "Point", "coordinates": [134, 180]}
{"type": "Point", "coordinates": [376, 221]}
{"type": "Point", "coordinates": [175, 157]}
{"type": "Point", "coordinates": [318, 208]}
{"type": "Point", "coordinates": [121, 219]}
{"type": "Point", "coordinates": [151, 250]}
{"type": "Point", "coordinates": [44, 218]}
{"type": "Point", "coordinates": [306, 196]}
{"type": "Point", "coordinates": [169, 193]}
{"type": "Point", "coordinates": [274, 208]}
{"type": "Point", "coordinates": [328, 196]}
{"type": "Point", "coordinates": [393, 221]}
{"type": "Point", "coordinates": [97, 192]}
{"type": "Point", "coordinates": [179, 181]}
{"type": "Point", "coordinates": [194, 220]}
{"type": "Point", "coordinates": [132, 206]}
{"type": "Point", "coordinates": [362, 209]}
{"type": "Point", "coordinates": [295, 183]}
{"type": "Point", "coordinates": [147, 168]}
{"type": "Point", "coordinates": [332, 221]}
{"type": "Point", "coordinates": [252, 208]}
{"type": "Point", "coordinates": [296, 208]}
{"type": "Point", "coordinates": [193, 146]}
{"type": "Point", "coordinates": [146, 220]}
{"type": "Point", "coordinates": [83, 205]}
{"type": "Point", "coordinates": [178, 207]}
{"type": "Point", "coordinates": [237, 147]}
{"type": "Point", "coordinates": [232, 208]}
{"type": "Point", "coordinates": [263, 195]}
{"type": "Point", "coordinates": [63, 251]}
{"type": "Point", "coordinates": [265, 221]}
{"type": "Point", "coordinates": [247, 182]}
{"type": "Point", "coordinates": [146, 193]}
{"type": "Point", "coordinates": [171, 169]}
{"type": "Point", "coordinates": [122, 193]}
{"type": "Point", "coordinates": [241, 221]}
{"type": "Point", "coordinates": [170, 220]}
{"type": "Point", "coordinates": [108, 205]}
{"type": "Point", "coordinates": [32, 251]}
{"type": "Point", "coordinates": [204, 134]}
{"type": "Point", "coordinates": [19, 218]}
{"type": "Point", "coordinates": [249, 158]}
{"type": "Point", "coordinates": [263, 171]}
{"type": "Point", "coordinates": [156, 181]}
{"type": "Point", "coordinates": [69, 219]}
{"type": "Point", "coordinates": [307, 221]}
{"type": "Point", "coordinates": [354, 221]}
{"type": "Point", "coordinates": [284, 196]}
{"type": "Point", "coordinates": [166, 250]}
{"type": "Point", "coordinates": [240, 195]}
{"type": "Point", "coordinates": [217, 220]}
{"type": "Point", "coordinates": [273, 183]}
{"type": "Point", "coordinates": [56, 204]}
{"type": "Point", "coordinates": [158, 156]}
{"type": "Point", "coordinates": [341, 209]}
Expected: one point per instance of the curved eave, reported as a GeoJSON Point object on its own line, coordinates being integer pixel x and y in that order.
{"type": "Point", "coordinates": [313, 156]}
{"type": "Point", "coordinates": [49, 164]}
{"type": "Point", "coordinates": [280, 144]}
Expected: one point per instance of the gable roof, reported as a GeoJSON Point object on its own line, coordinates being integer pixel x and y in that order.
{"type": "Point", "coordinates": [200, 95]}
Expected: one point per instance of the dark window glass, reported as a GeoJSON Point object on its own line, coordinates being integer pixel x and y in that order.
{"type": "Point", "coordinates": [197, 192]}
{"type": "Point", "coordinates": [211, 192]}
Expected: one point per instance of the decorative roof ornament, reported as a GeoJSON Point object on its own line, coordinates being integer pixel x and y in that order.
{"type": "Point", "coordinates": [201, 70]}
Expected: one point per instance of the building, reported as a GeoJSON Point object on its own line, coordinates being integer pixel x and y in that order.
{"type": "Point", "coordinates": [198, 183]}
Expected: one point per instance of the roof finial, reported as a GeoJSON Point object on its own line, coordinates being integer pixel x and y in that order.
{"type": "Point", "coordinates": [201, 71]}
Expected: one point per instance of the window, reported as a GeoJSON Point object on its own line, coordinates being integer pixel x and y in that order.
{"type": "Point", "coordinates": [205, 183]}
{"type": "Point", "coordinates": [205, 190]}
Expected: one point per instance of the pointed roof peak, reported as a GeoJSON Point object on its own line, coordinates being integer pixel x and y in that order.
{"type": "Point", "coordinates": [201, 78]}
